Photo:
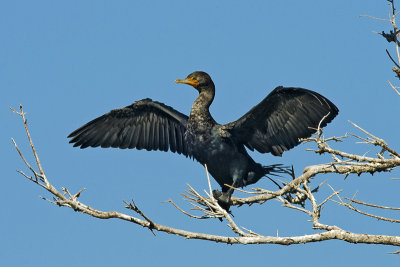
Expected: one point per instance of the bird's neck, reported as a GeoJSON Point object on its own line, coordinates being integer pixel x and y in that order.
{"type": "Point", "coordinates": [200, 108]}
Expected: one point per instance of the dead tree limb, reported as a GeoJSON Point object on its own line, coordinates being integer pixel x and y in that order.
{"type": "Point", "coordinates": [299, 187]}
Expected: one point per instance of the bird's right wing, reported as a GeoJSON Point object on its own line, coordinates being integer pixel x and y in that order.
{"type": "Point", "coordinates": [145, 124]}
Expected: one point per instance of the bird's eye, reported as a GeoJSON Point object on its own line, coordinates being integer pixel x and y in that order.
{"type": "Point", "coordinates": [194, 78]}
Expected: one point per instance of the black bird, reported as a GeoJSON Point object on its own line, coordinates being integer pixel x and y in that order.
{"type": "Point", "coordinates": [272, 126]}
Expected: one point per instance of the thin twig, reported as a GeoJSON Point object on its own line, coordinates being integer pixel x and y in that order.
{"type": "Point", "coordinates": [132, 206]}
{"type": "Point", "coordinates": [371, 205]}
{"type": "Point", "coordinates": [394, 88]}
{"type": "Point", "coordinates": [368, 16]}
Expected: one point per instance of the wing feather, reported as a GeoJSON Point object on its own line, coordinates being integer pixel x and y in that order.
{"type": "Point", "coordinates": [145, 124]}
{"type": "Point", "coordinates": [284, 116]}
{"type": "Point", "coordinates": [135, 138]}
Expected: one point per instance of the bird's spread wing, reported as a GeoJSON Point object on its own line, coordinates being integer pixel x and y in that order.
{"type": "Point", "coordinates": [285, 115]}
{"type": "Point", "coordinates": [145, 124]}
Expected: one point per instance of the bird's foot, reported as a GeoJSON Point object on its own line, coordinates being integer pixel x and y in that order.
{"type": "Point", "coordinates": [223, 198]}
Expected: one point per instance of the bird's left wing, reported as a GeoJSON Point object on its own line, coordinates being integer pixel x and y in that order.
{"type": "Point", "coordinates": [145, 124]}
{"type": "Point", "coordinates": [284, 116]}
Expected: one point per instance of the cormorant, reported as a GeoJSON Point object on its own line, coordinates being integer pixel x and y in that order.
{"type": "Point", "coordinates": [273, 126]}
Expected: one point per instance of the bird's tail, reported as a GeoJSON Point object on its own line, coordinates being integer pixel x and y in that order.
{"type": "Point", "coordinates": [277, 170]}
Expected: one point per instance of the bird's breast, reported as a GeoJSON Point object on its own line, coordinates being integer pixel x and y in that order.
{"type": "Point", "coordinates": [207, 145]}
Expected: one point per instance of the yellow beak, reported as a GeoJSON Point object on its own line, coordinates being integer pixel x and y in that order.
{"type": "Point", "coordinates": [191, 82]}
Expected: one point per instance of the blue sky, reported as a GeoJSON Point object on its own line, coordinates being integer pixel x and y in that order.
{"type": "Point", "coordinates": [68, 62]}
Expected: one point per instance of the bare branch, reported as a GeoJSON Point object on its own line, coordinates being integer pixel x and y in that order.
{"type": "Point", "coordinates": [368, 16]}
{"type": "Point", "coordinates": [394, 88]}
{"type": "Point", "coordinates": [210, 208]}
{"type": "Point", "coordinates": [392, 36]}
{"type": "Point", "coordinates": [348, 205]}
{"type": "Point", "coordinates": [377, 141]}
{"type": "Point", "coordinates": [22, 114]}
{"type": "Point", "coordinates": [371, 205]}
{"type": "Point", "coordinates": [132, 206]}
{"type": "Point", "coordinates": [186, 213]}
{"type": "Point", "coordinates": [369, 214]}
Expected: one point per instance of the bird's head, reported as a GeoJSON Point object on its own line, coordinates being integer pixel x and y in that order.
{"type": "Point", "coordinates": [199, 80]}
